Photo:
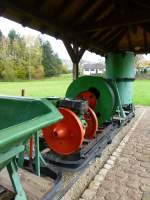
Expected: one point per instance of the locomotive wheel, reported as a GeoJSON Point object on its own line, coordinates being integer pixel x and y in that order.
{"type": "Point", "coordinates": [66, 136]}
{"type": "Point", "coordinates": [88, 96]}
{"type": "Point", "coordinates": [92, 124]}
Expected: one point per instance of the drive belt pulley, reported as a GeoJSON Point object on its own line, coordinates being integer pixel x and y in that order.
{"type": "Point", "coordinates": [66, 136]}
{"type": "Point", "coordinates": [97, 92]}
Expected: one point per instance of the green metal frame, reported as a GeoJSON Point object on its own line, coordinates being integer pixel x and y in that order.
{"type": "Point", "coordinates": [38, 156]}
{"type": "Point", "coordinates": [9, 159]}
{"type": "Point", "coordinates": [119, 110]}
{"type": "Point", "coordinates": [20, 119]}
{"type": "Point", "coordinates": [15, 179]}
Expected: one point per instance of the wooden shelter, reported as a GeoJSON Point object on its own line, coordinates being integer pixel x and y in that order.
{"type": "Point", "coordinates": [100, 26]}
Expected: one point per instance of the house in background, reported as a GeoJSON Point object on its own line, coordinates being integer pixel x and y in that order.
{"type": "Point", "coordinates": [93, 68]}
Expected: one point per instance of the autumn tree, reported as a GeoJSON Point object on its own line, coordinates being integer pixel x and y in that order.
{"type": "Point", "coordinates": [27, 58]}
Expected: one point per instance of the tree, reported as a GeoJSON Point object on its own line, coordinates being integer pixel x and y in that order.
{"type": "Point", "coordinates": [8, 72]}
{"type": "Point", "coordinates": [51, 62]}
{"type": "Point", "coordinates": [1, 36]}
{"type": "Point", "coordinates": [35, 67]}
{"type": "Point", "coordinates": [139, 61]}
{"type": "Point", "coordinates": [64, 69]}
{"type": "Point", "coordinates": [27, 58]}
{"type": "Point", "coordinates": [12, 35]}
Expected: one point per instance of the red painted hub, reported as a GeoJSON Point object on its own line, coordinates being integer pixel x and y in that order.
{"type": "Point", "coordinates": [88, 96]}
{"type": "Point", "coordinates": [92, 124]}
{"type": "Point", "coordinates": [66, 136]}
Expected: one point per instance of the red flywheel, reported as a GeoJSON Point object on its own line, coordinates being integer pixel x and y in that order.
{"type": "Point", "coordinates": [92, 124]}
{"type": "Point", "coordinates": [89, 97]}
{"type": "Point", "coordinates": [66, 136]}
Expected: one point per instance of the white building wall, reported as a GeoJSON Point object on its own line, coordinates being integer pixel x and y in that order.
{"type": "Point", "coordinates": [89, 72]}
{"type": "Point", "coordinates": [86, 72]}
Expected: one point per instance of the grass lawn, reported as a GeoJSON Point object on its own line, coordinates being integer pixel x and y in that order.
{"type": "Point", "coordinates": [57, 86]}
{"type": "Point", "coordinates": [142, 92]}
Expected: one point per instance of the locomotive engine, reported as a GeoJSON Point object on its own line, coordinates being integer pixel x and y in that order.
{"type": "Point", "coordinates": [94, 109]}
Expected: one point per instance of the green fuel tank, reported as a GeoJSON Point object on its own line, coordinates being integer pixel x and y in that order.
{"type": "Point", "coordinates": [120, 67]}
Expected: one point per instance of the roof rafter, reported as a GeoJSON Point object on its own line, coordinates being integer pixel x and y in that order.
{"type": "Point", "coordinates": [138, 18]}
{"type": "Point", "coordinates": [89, 11]}
{"type": "Point", "coordinates": [115, 39]}
{"type": "Point", "coordinates": [102, 12]}
{"type": "Point", "coordinates": [107, 35]}
{"type": "Point", "coordinates": [83, 9]}
{"type": "Point", "coordinates": [129, 39]}
{"type": "Point", "coordinates": [145, 40]}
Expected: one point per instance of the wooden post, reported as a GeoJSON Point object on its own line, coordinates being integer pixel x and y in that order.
{"type": "Point", "coordinates": [76, 54]}
{"type": "Point", "coordinates": [22, 92]}
{"type": "Point", "coordinates": [75, 71]}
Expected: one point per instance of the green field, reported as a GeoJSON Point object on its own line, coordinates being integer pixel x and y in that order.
{"type": "Point", "coordinates": [142, 92]}
{"type": "Point", "coordinates": [57, 86]}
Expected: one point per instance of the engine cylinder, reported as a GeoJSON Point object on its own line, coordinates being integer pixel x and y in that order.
{"type": "Point", "coordinates": [120, 67]}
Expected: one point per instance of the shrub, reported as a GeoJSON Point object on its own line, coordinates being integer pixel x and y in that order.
{"type": "Point", "coordinates": [8, 74]}
{"type": "Point", "coordinates": [21, 72]}
{"type": "Point", "coordinates": [38, 72]}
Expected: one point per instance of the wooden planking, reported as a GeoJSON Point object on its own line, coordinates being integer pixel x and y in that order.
{"type": "Point", "coordinates": [35, 187]}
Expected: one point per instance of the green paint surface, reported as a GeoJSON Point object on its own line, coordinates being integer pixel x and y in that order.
{"type": "Point", "coordinates": [21, 117]}
{"type": "Point", "coordinates": [121, 66]}
{"type": "Point", "coordinates": [105, 101]}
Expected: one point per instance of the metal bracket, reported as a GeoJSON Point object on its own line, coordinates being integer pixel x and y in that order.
{"type": "Point", "coordinates": [15, 179]}
{"type": "Point", "coordinates": [120, 110]}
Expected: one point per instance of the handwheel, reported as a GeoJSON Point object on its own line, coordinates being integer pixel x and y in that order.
{"type": "Point", "coordinates": [92, 124]}
{"type": "Point", "coordinates": [66, 136]}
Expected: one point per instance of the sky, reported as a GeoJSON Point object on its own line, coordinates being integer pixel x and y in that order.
{"type": "Point", "coordinates": [57, 45]}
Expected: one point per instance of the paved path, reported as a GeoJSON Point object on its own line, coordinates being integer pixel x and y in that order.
{"type": "Point", "coordinates": [126, 175]}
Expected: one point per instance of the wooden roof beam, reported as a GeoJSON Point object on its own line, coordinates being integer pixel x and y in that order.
{"type": "Point", "coordinates": [102, 11]}
{"type": "Point", "coordinates": [107, 35]}
{"type": "Point", "coordinates": [89, 11]}
{"type": "Point", "coordinates": [119, 22]}
{"type": "Point", "coordinates": [83, 9]}
{"type": "Point", "coordinates": [115, 40]}
{"type": "Point", "coordinates": [145, 41]}
{"type": "Point", "coordinates": [76, 54]}
{"type": "Point", "coordinates": [113, 37]}
{"type": "Point", "coordinates": [61, 9]}
{"type": "Point", "coordinates": [50, 27]}
{"type": "Point", "coordinates": [105, 12]}
{"type": "Point", "coordinates": [129, 39]}
{"type": "Point", "coordinates": [74, 51]}
{"type": "Point", "coordinates": [39, 4]}
{"type": "Point", "coordinates": [47, 26]}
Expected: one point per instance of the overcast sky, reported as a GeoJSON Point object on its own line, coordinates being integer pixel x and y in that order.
{"type": "Point", "coordinates": [57, 45]}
